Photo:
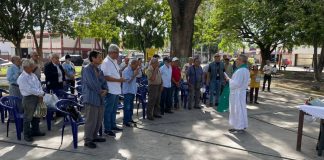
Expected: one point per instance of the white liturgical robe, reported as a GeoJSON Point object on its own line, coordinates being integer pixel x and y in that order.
{"type": "Point", "coordinates": [237, 99]}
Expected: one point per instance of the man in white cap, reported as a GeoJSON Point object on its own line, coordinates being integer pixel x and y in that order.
{"type": "Point", "coordinates": [176, 77]}
{"type": "Point", "coordinates": [166, 99]}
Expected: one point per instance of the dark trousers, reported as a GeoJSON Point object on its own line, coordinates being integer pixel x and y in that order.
{"type": "Point", "coordinates": [29, 105]}
{"type": "Point", "coordinates": [175, 95]}
{"type": "Point", "coordinates": [265, 79]}
{"type": "Point", "coordinates": [256, 94]}
{"type": "Point", "coordinates": [166, 100]}
{"type": "Point", "coordinates": [94, 117]}
{"type": "Point", "coordinates": [71, 84]}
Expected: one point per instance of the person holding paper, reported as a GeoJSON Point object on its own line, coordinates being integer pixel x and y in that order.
{"type": "Point", "coordinates": [254, 84]}
{"type": "Point", "coordinates": [237, 100]}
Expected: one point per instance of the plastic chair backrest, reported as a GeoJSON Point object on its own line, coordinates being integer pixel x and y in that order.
{"type": "Point", "coordinates": [3, 91]}
{"type": "Point", "coordinates": [12, 103]}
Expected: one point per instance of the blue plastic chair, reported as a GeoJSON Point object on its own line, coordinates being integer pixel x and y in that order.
{"type": "Point", "coordinates": [184, 88]}
{"type": "Point", "coordinates": [12, 103]}
{"type": "Point", "coordinates": [3, 110]}
{"type": "Point", "coordinates": [205, 95]}
{"type": "Point", "coordinates": [68, 120]}
{"type": "Point", "coordinates": [141, 95]}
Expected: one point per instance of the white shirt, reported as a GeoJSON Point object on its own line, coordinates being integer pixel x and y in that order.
{"type": "Point", "coordinates": [166, 73]}
{"type": "Point", "coordinates": [29, 85]}
{"type": "Point", "coordinates": [267, 69]}
{"type": "Point", "coordinates": [110, 68]}
{"type": "Point", "coordinates": [60, 75]}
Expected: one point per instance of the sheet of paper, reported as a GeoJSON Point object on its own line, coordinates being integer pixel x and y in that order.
{"type": "Point", "coordinates": [227, 77]}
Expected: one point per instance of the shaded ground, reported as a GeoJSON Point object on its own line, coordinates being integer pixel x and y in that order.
{"type": "Point", "coordinates": [185, 135]}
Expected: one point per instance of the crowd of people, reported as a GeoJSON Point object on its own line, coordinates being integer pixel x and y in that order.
{"type": "Point", "coordinates": [104, 80]}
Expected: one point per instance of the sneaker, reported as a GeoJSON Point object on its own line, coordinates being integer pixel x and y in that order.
{"type": "Point", "coordinates": [110, 133]}
{"type": "Point", "coordinates": [117, 129]}
{"type": "Point", "coordinates": [99, 139]}
{"type": "Point", "coordinates": [90, 145]}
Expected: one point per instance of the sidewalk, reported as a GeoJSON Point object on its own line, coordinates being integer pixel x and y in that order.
{"type": "Point", "coordinates": [185, 135]}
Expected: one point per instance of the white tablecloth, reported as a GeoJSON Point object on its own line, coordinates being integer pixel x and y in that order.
{"type": "Point", "coordinates": [315, 111]}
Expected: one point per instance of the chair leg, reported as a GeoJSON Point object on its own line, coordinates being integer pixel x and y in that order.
{"type": "Point", "coordinates": [2, 115]}
{"type": "Point", "coordinates": [62, 133]}
{"type": "Point", "coordinates": [49, 118]}
{"type": "Point", "coordinates": [75, 135]}
{"type": "Point", "coordinates": [8, 128]}
{"type": "Point", "coordinates": [18, 129]}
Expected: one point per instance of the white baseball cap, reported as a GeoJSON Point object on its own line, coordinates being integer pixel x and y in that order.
{"type": "Point", "coordinates": [175, 59]}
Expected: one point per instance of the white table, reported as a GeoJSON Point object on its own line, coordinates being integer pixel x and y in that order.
{"type": "Point", "coordinates": [315, 111]}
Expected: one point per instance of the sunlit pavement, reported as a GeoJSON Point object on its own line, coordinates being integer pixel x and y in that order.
{"type": "Point", "coordinates": [185, 134]}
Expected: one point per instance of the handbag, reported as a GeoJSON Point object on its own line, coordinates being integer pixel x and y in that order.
{"type": "Point", "coordinates": [50, 100]}
{"type": "Point", "coordinates": [41, 110]}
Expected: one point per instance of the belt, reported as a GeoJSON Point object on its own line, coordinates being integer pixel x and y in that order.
{"type": "Point", "coordinates": [13, 84]}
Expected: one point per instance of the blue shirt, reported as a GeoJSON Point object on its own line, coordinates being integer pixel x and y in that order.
{"type": "Point", "coordinates": [13, 73]}
{"type": "Point", "coordinates": [195, 75]}
{"type": "Point", "coordinates": [130, 85]}
{"type": "Point", "coordinates": [69, 69]}
{"type": "Point", "coordinates": [92, 85]}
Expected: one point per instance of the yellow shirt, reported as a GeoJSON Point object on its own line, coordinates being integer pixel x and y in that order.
{"type": "Point", "coordinates": [255, 79]}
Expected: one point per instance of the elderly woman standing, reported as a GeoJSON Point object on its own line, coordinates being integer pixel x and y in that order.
{"type": "Point", "coordinates": [32, 93]}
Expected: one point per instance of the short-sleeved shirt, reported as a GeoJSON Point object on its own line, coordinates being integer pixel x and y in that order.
{"type": "Point", "coordinates": [69, 69]}
{"type": "Point", "coordinates": [158, 78]}
{"type": "Point", "coordinates": [166, 73]}
{"type": "Point", "coordinates": [110, 68]}
{"type": "Point", "coordinates": [129, 86]}
{"type": "Point", "coordinates": [176, 73]}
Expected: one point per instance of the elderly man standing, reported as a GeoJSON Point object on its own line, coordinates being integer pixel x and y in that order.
{"type": "Point", "coordinates": [54, 74]}
{"type": "Point", "coordinates": [176, 77]}
{"type": "Point", "coordinates": [112, 75]}
{"type": "Point", "coordinates": [267, 69]}
{"type": "Point", "coordinates": [32, 92]}
{"type": "Point", "coordinates": [237, 100]}
{"type": "Point", "coordinates": [38, 64]}
{"type": "Point", "coordinates": [195, 81]}
{"type": "Point", "coordinates": [13, 73]}
{"type": "Point", "coordinates": [94, 89]}
{"type": "Point", "coordinates": [215, 79]}
{"type": "Point", "coordinates": [166, 97]}
{"type": "Point", "coordinates": [129, 91]}
{"type": "Point", "coordinates": [154, 90]}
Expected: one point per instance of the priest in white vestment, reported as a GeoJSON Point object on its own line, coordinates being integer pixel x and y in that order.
{"type": "Point", "coordinates": [237, 100]}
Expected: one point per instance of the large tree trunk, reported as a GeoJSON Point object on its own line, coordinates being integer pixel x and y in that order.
{"type": "Point", "coordinates": [183, 15]}
{"type": "Point", "coordinates": [18, 49]}
{"type": "Point", "coordinates": [321, 60]}
{"type": "Point", "coordinates": [315, 62]}
{"type": "Point", "coordinates": [265, 55]}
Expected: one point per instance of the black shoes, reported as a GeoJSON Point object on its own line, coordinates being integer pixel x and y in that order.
{"type": "Point", "coordinates": [117, 129]}
{"type": "Point", "coordinates": [38, 134]}
{"type": "Point", "coordinates": [99, 139]}
{"type": "Point", "coordinates": [28, 138]}
{"type": "Point", "coordinates": [157, 116]}
{"type": "Point", "coordinates": [256, 102]}
{"type": "Point", "coordinates": [197, 107]}
{"type": "Point", "coordinates": [236, 131]}
{"type": "Point", "coordinates": [90, 145]}
{"type": "Point", "coordinates": [110, 133]}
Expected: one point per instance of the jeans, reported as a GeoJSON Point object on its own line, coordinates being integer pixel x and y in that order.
{"type": "Point", "coordinates": [166, 100]}
{"type": "Point", "coordinates": [255, 96]}
{"type": "Point", "coordinates": [111, 101]}
{"type": "Point", "coordinates": [175, 95]}
{"type": "Point", "coordinates": [214, 91]}
{"type": "Point", "coordinates": [128, 107]}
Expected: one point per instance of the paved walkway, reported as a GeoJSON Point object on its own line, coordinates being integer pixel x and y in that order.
{"type": "Point", "coordinates": [185, 135]}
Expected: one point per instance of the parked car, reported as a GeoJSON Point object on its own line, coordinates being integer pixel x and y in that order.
{"type": "Point", "coordinates": [75, 59]}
